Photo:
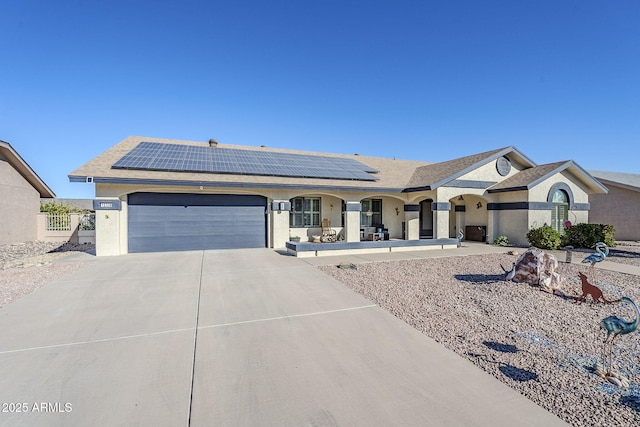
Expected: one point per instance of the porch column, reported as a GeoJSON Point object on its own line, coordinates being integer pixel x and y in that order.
{"type": "Point", "coordinates": [412, 222]}
{"type": "Point", "coordinates": [279, 223]}
{"type": "Point", "coordinates": [440, 219]}
{"type": "Point", "coordinates": [492, 218]}
{"type": "Point", "coordinates": [352, 222]}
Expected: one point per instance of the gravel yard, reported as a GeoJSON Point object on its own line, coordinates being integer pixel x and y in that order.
{"type": "Point", "coordinates": [543, 345]}
{"type": "Point", "coordinates": [25, 267]}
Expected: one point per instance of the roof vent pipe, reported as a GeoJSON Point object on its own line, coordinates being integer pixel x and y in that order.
{"type": "Point", "coordinates": [213, 143]}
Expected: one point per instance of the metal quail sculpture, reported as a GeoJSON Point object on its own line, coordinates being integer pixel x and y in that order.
{"type": "Point", "coordinates": [616, 326]}
{"type": "Point", "coordinates": [602, 251]}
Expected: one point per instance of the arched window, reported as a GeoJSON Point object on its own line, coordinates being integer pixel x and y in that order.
{"type": "Point", "coordinates": [559, 210]}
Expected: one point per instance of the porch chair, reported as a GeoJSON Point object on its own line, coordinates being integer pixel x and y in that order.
{"type": "Point", "coordinates": [328, 234]}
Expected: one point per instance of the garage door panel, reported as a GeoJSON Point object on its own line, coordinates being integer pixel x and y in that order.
{"type": "Point", "coordinates": [166, 222]}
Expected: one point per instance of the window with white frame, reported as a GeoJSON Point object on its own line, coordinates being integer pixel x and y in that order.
{"type": "Point", "coordinates": [305, 212]}
{"type": "Point", "coordinates": [370, 212]}
{"type": "Point", "coordinates": [559, 210]}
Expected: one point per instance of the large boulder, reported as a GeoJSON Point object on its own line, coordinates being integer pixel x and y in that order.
{"type": "Point", "coordinates": [536, 268]}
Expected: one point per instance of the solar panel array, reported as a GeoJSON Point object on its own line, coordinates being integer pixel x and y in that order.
{"type": "Point", "coordinates": [192, 158]}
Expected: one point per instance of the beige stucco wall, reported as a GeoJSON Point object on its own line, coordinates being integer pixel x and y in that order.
{"type": "Point", "coordinates": [111, 226]}
{"type": "Point", "coordinates": [111, 232]}
{"type": "Point", "coordinates": [540, 193]}
{"type": "Point", "coordinates": [510, 223]}
{"type": "Point", "coordinates": [19, 208]}
{"type": "Point", "coordinates": [620, 208]}
{"type": "Point", "coordinates": [489, 172]}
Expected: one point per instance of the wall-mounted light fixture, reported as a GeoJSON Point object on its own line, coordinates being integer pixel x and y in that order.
{"type": "Point", "coordinates": [479, 205]}
{"type": "Point", "coordinates": [460, 198]}
{"type": "Point", "coordinates": [397, 211]}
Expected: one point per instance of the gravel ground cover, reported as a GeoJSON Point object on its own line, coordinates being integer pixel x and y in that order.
{"type": "Point", "coordinates": [27, 266]}
{"type": "Point", "coordinates": [540, 344]}
{"type": "Point", "coordinates": [543, 345]}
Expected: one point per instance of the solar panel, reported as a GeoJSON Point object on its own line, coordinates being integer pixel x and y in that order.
{"type": "Point", "coordinates": [190, 158]}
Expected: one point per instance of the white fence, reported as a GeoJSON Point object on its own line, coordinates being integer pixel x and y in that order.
{"type": "Point", "coordinates": [74, 228]}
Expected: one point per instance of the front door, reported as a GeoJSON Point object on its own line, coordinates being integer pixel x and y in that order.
{"type": "Point", "coordinates": [426, 219]}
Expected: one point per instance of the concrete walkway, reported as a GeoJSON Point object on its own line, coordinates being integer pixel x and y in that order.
{"type": "Point", "coordinates": [232, 338]}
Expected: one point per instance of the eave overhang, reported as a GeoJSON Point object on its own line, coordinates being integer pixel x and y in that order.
{"type": "Point", "coordinates": [23, 168]}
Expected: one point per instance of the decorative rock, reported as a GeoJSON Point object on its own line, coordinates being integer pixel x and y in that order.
{"type": "Point", "coordinates": [536, 268]}
{"type": "Point", "coordinates": [346, 265]}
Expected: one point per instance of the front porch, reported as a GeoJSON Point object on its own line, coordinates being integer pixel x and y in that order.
{"type": "Point", "coordinates": [309, 249]}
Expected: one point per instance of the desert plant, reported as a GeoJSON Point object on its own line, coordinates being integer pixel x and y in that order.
{"type": "Point", "coordinates": [544, 237]}
{"type": "Point", "coordinates": [501, 241]}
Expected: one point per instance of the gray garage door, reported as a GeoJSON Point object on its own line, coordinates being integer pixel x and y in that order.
{"type": "Point", "coordinates": [178, 222]}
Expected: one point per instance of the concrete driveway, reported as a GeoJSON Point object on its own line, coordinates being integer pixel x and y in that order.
{"type": "Point", "coordinates": [231, 338]}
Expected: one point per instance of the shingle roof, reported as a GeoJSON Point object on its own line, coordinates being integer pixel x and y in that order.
{"type": "Point", "coordinates": [392, 176]}
{"type": "Point", "coordinates": [629, 181]}
{"type": "Point", "coordinates": [433, 175]}
{"type": "Point", "coordinates": [528, 178]}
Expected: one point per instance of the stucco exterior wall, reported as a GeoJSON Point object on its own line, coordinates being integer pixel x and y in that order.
{"type": "Point", "coordinates": [510, 223]}
{"type": "Point", "coordinates": [489, 172]}
{"type": "Point", "coordinates": [620, 208]}
{"type": "Point", "coordinates": [111, 233]}
{"type": "Point", "coordinates": [19, 208]}
{"type": "Point", "coordinates": [540, 193]}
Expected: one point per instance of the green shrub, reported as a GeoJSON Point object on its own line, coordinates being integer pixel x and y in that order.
{"type": "Point", "coordinates": [501, 241]}
{"type": "Point", "coordinates": [544, 237]}
{"type": "Point", "coordinates": [54, 208]}
{"type": "Point", "coordinates": [587, 235]}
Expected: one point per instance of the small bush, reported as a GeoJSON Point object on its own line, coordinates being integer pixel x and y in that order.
{"type": "Point", "coordinates": [544, 237]}
{"type": "Point", "coordinates": [501, 241]}
{"type": "Point", "coordinates": [54, 208]}
{"type": "Point", "coordinates": [587, 235]}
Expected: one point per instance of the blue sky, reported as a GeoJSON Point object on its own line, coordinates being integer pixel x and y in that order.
{"type": "Point", "coordinates": [420, 80]}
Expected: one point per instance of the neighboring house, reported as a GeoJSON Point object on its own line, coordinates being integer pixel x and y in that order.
{"type": "Point", "coordinates": [161, 195]}
{"type": "Point", "coordinates": [20, 191]}
{"type": "Point", "coordinates": [620, 207]}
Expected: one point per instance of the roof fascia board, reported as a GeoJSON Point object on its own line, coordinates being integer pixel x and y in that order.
{"type": "Point", "coordinates": [23, 168]}
{"type": "Point", "coordinates": [582, 173]}
{"type": "Point", "coordinates": [590, 177]}
{"type": "Point", "coordinates": [509, 190]}
{"type": "Point", "coordinates": [185, 183]}
{"type": "Point", "coordinates": [416, 189]}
